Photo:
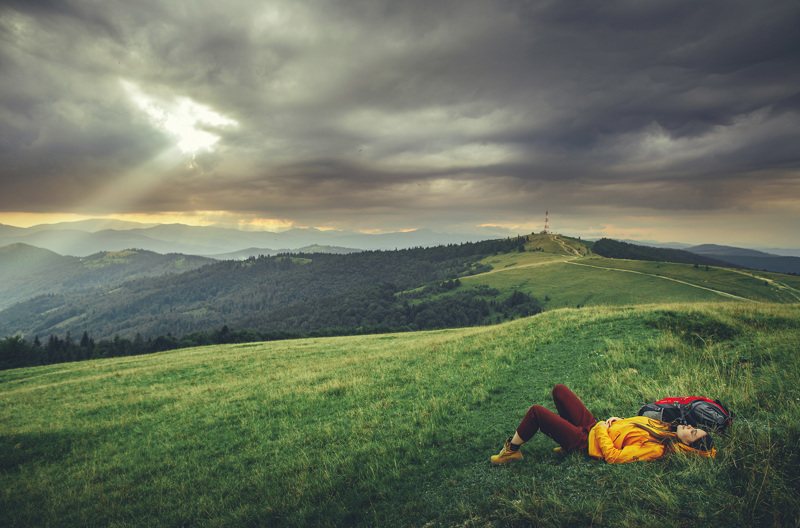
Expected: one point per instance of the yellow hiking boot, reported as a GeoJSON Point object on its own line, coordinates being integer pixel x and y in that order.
{"type": "Point", "coordinates": [506, 454]}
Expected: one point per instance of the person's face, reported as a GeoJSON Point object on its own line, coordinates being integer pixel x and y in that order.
{"type": "Point", "coordinates": [688, 434]}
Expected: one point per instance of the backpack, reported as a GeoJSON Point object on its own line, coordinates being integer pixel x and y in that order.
{"type": "Point", "coordinates": [690, 410]}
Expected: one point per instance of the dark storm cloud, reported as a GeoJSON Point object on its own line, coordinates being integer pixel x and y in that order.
{"type": "Point", "coordinates": [391, 107]}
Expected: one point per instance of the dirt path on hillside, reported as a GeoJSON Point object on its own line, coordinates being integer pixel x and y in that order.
{"type": "Point", "coordinates": [566, 248]}
{"type": "Point", "coordinates": [794, 292]}
{"type": "Point", "coordinates": [724, 294]}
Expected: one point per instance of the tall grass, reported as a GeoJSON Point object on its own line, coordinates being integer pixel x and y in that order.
{"type": "Point", "coordinates": [397, 429]}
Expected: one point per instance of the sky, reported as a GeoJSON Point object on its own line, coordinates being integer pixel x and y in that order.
{"type": "Point", "coordinates": [667, 120]}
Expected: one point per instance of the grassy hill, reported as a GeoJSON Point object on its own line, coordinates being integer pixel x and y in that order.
{"type": "Point", "coordinates": [397, 429]}
{"type": "Point", "coordinates": [571, 276]}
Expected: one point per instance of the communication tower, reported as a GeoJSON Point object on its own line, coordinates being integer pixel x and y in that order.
{"type": "Point", "coordinates": [546, 230]}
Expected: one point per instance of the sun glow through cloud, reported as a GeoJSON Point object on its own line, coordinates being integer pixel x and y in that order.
{"type": "Point", "coordinates": [182, 118]}
{"type": "Point", "coordinates": [192, 126]}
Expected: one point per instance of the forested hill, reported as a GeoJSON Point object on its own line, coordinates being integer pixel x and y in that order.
{"type": "Point", "coordinates": [609, 248]}
{"type": "Point", "coordinates": [756, 260]}
{"type": "Point", "coordinates": [27, 271]}
{"type": "Point", "coordinates": [242, 294]}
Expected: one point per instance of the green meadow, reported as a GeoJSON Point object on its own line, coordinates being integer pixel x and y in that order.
{"type": "Point", "coordinates": [397, 430]}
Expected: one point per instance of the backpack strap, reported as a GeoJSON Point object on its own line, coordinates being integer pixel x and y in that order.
{"type": "Point", "coordinates": [682, 419]}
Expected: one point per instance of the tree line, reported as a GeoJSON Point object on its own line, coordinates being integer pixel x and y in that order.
{"type": "Point", "coordinates": [377, 309]}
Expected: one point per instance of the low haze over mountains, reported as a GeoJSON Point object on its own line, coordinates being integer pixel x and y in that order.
{"type": "Point", "coordinates": [86, 238]}
{"type": "Point", "coordinates": [93, 236]}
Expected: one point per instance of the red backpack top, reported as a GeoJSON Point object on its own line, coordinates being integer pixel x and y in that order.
{"type": "Point", "coordinates": [690, 410]}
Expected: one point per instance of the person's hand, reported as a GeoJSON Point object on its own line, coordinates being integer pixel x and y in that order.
{"type": "Point", "coordinates": [611, 420]}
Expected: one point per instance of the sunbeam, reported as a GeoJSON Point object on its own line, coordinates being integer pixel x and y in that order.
{"type": "Point", "coordinates": [184, 119]}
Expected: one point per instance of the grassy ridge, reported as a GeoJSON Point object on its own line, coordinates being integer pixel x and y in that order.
{"type": "Point", "coordinates": [397, 429]}
{"type": "Point", "coordinates": [570, 277]}
{"type": "Point", "coordinates": [760, 286]}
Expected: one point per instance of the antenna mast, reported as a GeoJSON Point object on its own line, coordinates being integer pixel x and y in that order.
{"type": "Point", "coordinates": [546, 223]}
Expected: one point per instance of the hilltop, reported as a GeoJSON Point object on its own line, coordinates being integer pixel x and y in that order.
{"type": "Point", "coordinates": [564, 272]}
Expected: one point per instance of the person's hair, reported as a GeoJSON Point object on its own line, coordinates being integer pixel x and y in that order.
{"type": "Point", "coordinates": [665, 434]}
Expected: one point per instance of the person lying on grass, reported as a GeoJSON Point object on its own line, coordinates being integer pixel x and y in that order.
{"type": "Point", "coordinates": [616, 440]}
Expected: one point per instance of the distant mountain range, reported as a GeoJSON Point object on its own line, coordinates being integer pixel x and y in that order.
{"type": "Point", "coordinates": [779, 260]}
{"type": "Point", "coordinates": [27, 271]}
{"type": "Point", "coordinates": [245, 254]}
{"type": "Point", "coordinates": [93, 236]}
{"type": "Point", "coordinates": [773, 252]}
{"type": "Point", "coordinates": [749, 258]}
{"type": "Point", "coordinates": [90, 237]}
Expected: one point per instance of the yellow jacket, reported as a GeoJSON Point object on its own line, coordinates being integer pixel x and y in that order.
{"type": "Point", "coordinates": [623, 442]}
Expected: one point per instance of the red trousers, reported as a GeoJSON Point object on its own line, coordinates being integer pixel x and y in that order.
{"type": "Point", "coordinates": [570, 427]}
